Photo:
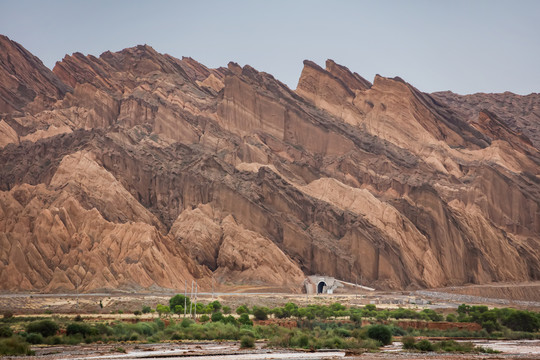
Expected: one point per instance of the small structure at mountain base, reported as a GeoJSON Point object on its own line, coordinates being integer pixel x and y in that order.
{"type": "Point", "coordinates": [317, 284]}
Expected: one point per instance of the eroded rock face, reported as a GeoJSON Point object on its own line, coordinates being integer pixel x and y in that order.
{"type": "Point", "coordinates": [152, 171]}
{"type": "Point", "coordinates": [25, 79]}
{"type": "Point", "coordinates": [50, 242]}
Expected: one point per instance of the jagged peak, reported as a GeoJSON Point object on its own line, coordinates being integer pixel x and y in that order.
{"type": "Point", "coordinates": [351, 79]}
{"type": "Point", "coordinates": [304, 84]}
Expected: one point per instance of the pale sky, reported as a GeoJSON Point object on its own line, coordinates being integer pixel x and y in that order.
{"type": "Point", "coordinates": [464, 46]}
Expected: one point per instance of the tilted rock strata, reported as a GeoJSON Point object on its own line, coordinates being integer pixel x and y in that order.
{"type": "Point", "coordinates": [228, 173]}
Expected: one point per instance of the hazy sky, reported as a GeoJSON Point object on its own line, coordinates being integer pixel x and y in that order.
{"type": "Point", "coordinates": [464, 46]}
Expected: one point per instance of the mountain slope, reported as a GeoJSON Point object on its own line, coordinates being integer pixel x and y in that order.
{"type": "Point", "coordinates": [193, 173]}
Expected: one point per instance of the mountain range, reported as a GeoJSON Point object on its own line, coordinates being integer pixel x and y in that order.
{"type": "Point", "coordinates": [138, 170]}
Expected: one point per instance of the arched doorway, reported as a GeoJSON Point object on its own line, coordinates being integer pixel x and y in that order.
{"type": "Point", "coordinates": [320, 287]}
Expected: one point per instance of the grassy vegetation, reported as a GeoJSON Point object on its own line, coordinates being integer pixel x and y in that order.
{"type": "Point", "coordinates": [312, 327]}
{"type": "Point", "coordinates": [424, 345]}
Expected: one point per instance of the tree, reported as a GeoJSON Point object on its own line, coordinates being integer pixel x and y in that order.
{"type": "Point", "coordinates": [162, 309]}
{"type": "Point", "coordinates": [242, 309]}
{"type": "Point", "coordinates": [179, 299]}
{"type": "Point", "coordinates": [146, 309]}
{"type": "Point", "coordinates": [216, 305]}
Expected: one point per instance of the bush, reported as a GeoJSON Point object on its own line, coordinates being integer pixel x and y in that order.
{"type": "Point", "coordinates": [247, 342]}
{"type": "Point", "coordinates": [242, 309]}
{"type": "Point", "coordinates": [160, 324]}
{"type": "Point", "coordinates": [408, 342]}
{"type": "Point", "coordinates": [260, 314]}
{"type": "Point", "coordinates": [43, 327]}
{"type": "Point", "coordinates": [217, 316]}
{"type": "Point", "coordinates": [229, 320]}
{"type": "Point", "coordinates": [186, 323]}
{"type": "Point", "coordinates": [520, 320]}
{"type": "Point", "coordinates": [137, 312]}
{"type": "Point", "coordinates": [5, 331]}
{"type": "Point", "coordinates": [146, 309]}
{"type": "Point", "coordinates": [14, 346]}
{"type": "Point", "coordinates": [244, 320]}
{"type": "Point", "coordinates": [226, 309]}
{"type": "Point", "coordinates": [83, 329]}
{"type": "Point", "coordinates": [204, 318]}
{"type": "Point", "coordinates": [34, 338]}
{"type": "Point", "coordinates": [380, 333]}
{"type": "Point", "coordinates": [424, 345]}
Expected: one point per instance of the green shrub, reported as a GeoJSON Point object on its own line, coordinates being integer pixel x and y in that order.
{"type": "Point", "coordinates": [53, 340]}
{"type": "Point", "coordinates": [242, 309]}
{"type": "Point", "coordinates": [80, 328]}
{"type": "Point", "coordinates": [204, 318]}
{"type": "Point", "coordinates": [408, 342]}
{"type": "Point", "coordinates": [454, 346]}
{"type": "Point", "coordinates": [380, 333]}
{"type": "Point", "coordinates": [397, 331]}
{"type": "Point", "coordinates": [186, 323]}
{"type": "Point", "coordinates": [14, 346]}
{"type": "Point", "coordinates": [334, 342]}
{"type": "Point", "coordinates": [226, 309]}
{"type": "Point", "coordinates": [34, 338]}
{"type": "Point", "coordinates": [160, 324]}
{"type": "Point", "coordinates": [5, 331]}
{"type": "Point", "coordinates": [103, 329]}
{"type": "Point", "coordinates": [230, 320]}
{"type": "Point", "coordinates": [43, 327]}
{"type": "Point", "coordinates": [451, 318]}
{"type": "Point", "coordinates": [520, 320]}
{"type": "Point", "coordinates": [146, 309]}
{"type": "Point", "coordinates": [245, 320]}
{"type": "Point", "coordinates": [424, 345]}
{"type": "Point", "coordinates": [260, 314]}
{"type": "Point", "coordinates": [217, 316]}
{"type": "Point", "coordinates": [247, 342]}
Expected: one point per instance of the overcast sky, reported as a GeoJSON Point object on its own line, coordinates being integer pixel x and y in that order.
{"type": "Point", "coordinates": [464, 46]}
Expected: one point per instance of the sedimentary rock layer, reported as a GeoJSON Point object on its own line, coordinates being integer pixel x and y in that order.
{"type": "Point", "coordinates": [142, 170]}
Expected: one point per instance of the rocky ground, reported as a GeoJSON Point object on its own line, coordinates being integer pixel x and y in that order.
{"type": "Point", "coordinates": [231, 350]}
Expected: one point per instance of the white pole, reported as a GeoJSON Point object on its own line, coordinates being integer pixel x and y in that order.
{"type": "Point", "coordinates": [196, 290]}
{"type": "Point", "coordinates": [191, 297]}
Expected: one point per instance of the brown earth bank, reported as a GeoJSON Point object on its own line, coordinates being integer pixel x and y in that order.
{"type": "Point", "coordinates": [136, 170]}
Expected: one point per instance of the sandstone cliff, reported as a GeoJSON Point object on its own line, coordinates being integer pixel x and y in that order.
{"type": "Point", "coordinates": [143, 170]}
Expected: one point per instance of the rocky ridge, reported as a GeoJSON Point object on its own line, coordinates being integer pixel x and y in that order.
{"type": "Point", "coordinates": [146, 171]}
